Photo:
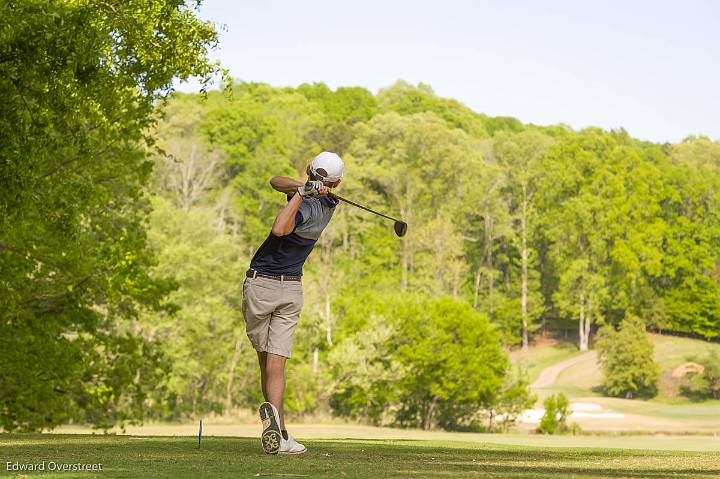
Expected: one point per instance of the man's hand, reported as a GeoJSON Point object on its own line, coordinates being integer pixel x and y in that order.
{"type": "Point", "coordinates": [313, 188]}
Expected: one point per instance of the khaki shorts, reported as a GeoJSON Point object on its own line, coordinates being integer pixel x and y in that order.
{"type": "Point", "coordinates": [271, 309]}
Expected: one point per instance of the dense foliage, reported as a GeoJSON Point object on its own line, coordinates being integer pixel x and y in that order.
{"type": "Point", "coordinates": [79, 82]}
{"type": "Point", "coordinates": [435, 362]}
{"type": "Point", "coordinates": [627, 360]}
{"type": "Point", "coordinates": [706, 384]}
{"type": "Point", "coordinates": [528, 226]}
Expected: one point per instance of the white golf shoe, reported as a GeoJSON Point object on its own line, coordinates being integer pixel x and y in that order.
{"type": "Point", "coordinates": [271, 437]}
{"type": "Point", "coordinates": [291, 446]}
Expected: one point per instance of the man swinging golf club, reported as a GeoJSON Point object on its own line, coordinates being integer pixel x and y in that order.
{"type": "Point", "coordinates": [272, 292]}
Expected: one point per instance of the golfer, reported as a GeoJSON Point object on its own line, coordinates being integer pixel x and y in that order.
{"type": "Point", "coordinates": [272, 292]}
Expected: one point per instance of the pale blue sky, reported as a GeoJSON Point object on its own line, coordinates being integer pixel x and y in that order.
{"type": "Point", "coordinates": [652, 67]}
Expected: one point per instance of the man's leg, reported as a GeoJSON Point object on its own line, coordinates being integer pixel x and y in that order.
{"type": "Point", "coordinates": [274, 385]}
{"type": "Point", "coordinates": [279, 346]}
{"type": "Point", "coordinates": [262, 359]}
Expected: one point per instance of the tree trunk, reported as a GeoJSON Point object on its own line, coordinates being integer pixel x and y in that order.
{"type": "Point", "coordinates": [231, 374]}
{"type": "Point", "coordinates": [430, 414]}
{"type": "Point", "coordinates": [316, 361]}
{"type": "Point", "coordinates": [583, 345]}
{"type": "Point", "coordinates": [328, 320]}
{"type": "Point", "coordinates": [477, 286]}
{"type": "Point", "coordinates": [404, 266]}
{"type": "Point", "coordinates": [456, 283]}
{"type": "Point", "coordinates": [588, 322]}
{"type": "Point", "coordinates": [489, 257]}
{"type": "Point", "coordinates": [524, 279]}
{"type": "Point", "coordinates": [406, 213]}
{"type": "Point", "coordinates": [488, 251]}
{"type": "Point", "coordinates": [345, 241]}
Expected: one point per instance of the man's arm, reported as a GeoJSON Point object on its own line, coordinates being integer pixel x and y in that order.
{"type": "Point", "coordinates": [285, 222]}
{"type": "Point", "coordinates": [290, 186]}
{"type": "Point", "coordinates": [285, 184]}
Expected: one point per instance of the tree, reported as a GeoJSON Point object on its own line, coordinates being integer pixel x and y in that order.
{"type": "Point", "coordinates": [364, 372]}
{"type": "Point", "coordinates": [79, 82]}
{"type": "Point", "coordinates": [514, 398]}
{"type": "Point", "coordinates": [189, 167]}
{"type": "Point", "coordinates": [488, 226]}
{"type": "Point", "coordinates": [529, 223]}
{"type": "Point", "coordinates": [406, 99]}
{"type": "Point", "coordinates": [204, 339]}
{"type": "Point", "coordinates": [688, 282]}
{"type": "Point", "coordinates": [342, 109]}
{"type": "Point", "coordinates": [521, 156]}
{"type": "Point", "coordinates": [601, 198]}
{"type": "Point", "coordinates": [706, 384]}
{"type": "Point", "coordinates": [626, 357]}
{"type": "Point", "coordinates": [422, 363]}
{"type": "Point", "coordinates": [557, 411]}
{"type": "Point", "coordinates": [454, 361]}
{"type": "Point", "coordinates": [261, 134]}
{"type": "Point", "coordinates": [408, 163]}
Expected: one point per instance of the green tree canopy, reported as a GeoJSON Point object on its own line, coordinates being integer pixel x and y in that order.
{"type": "Point", "coordinates": [626, 356]}
{"type": "Point", "coordinates": [79, 82]}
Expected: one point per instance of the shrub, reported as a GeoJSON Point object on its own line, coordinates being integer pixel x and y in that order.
{"type": "Point", "coordinates": [711, 375]}
{"type": "Point", "coordinates": [626, 357]}
{"type": "Point", "coordinates": [455, 364]}
{"type": "Point", "coordinates": [705, 385]}
{"type": "Point", "coordinates": [557, 411]}
{"type": "Point", "coordinates": [418, 362]}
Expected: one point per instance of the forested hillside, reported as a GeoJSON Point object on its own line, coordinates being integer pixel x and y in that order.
{"type": "Point", "coordinates": [127, 224]}
{"type": "Point", "coordinates": [512, 227]}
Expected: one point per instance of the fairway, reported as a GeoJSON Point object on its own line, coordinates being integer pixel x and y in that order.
{"type": "Point", "coordinates": [138, 456]}
{"type": "Point", "coordinates": [558, 367]}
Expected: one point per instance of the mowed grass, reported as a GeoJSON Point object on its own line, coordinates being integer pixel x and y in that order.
{"type": "Point", "coordinates": [543, 356]}
{"type": "Point", "coordinates": [671, 351]}
{"type": "Point", "coordinates": [178, 457]}
{"type": "Point", "coordinates": [669, 411]}
{"type": "Point", "coordinates": [585, 377]}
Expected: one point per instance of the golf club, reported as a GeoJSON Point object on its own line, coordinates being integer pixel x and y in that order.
{"type": "Point", "coordinates": [400, 226]}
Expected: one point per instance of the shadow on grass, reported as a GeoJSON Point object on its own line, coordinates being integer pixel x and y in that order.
{"type": "Point", "coordinates": [125, 456]}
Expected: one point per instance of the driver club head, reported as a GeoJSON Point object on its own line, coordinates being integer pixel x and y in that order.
{"type": "Point", "coordinates": [400, 228]}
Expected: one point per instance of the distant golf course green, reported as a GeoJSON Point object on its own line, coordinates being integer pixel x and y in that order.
{"type": "Point", "coordinates": [177, 457]}
{"type": "Point", "coordinates": [579, 377]}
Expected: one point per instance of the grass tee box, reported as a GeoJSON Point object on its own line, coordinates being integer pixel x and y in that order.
{"type": "Point", "coordinates": [137, 456]}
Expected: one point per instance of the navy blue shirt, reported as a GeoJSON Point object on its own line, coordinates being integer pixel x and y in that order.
{"type": "Point", "coordinates": [287, 254]}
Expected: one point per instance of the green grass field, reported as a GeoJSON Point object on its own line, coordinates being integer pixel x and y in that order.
{"type": "Point", "coordinates": [232, 449]}
{"type": "Point", "coordinates": [177, 457]}
{"type": "Point", "coordinates": [670, 352]}
{"type": "Point", "coordinates": [581, 379]}
{"type": "Point", "coordinates": [540, 357]}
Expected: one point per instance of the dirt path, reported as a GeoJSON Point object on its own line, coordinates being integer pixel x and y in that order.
{"type": "Point", "coordinates": [549, 375]}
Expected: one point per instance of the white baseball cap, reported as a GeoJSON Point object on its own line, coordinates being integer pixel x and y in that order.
{"type": "Point", "coordinates": [328, 166]}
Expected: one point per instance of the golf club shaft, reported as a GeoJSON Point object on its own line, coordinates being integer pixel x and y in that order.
{"type": "Point", "coordinates": [333, 195]}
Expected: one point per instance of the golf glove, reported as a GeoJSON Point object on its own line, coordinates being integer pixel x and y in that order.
{"type": "Point", "coordinates": [310, 189]}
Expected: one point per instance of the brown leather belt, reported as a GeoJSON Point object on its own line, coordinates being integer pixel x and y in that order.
{"type": "Point", "coordinates": [251, 273]}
